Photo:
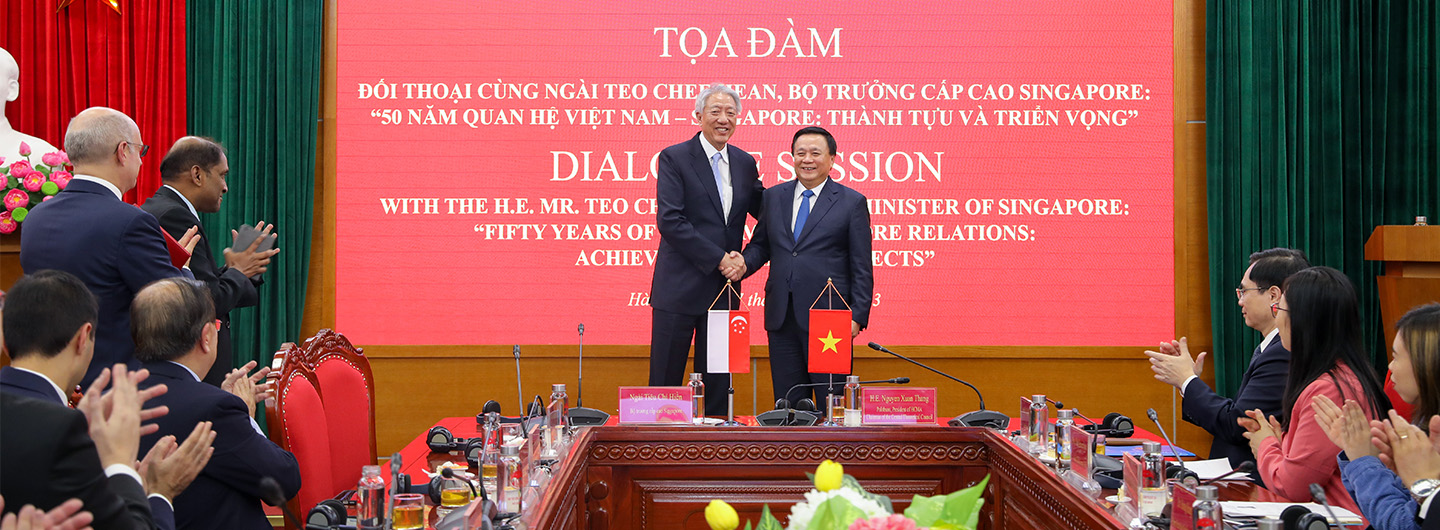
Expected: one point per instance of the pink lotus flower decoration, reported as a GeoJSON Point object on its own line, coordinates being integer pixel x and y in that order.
{"type": "Point", "coordinates": [16, 199]}
{"type": "Point", "coordinates": [33, 181]}
{"type": "Point", "coordinates": [24, 149]}
{"type": "Point", "coordinates": [890, 522]}
{"type": "Point", "coordinates": [60, 178]}
{"type": "Point", "coordinates": [56, 159]}
{"type": "Point", "coordinates": [7, 225]}
{"type": "Point", "coordinates": [20, 168]}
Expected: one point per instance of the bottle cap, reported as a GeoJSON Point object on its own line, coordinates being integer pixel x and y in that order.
{"type": "Point", "coordinates": [370, 470]}
{"type": "Point", "coordinates": [1152, 448]}
{"type": "Point", "coordinates": [1207, 493]}
{"type": "Point", "coordinates": [510, 450]}
{"type": "Point", "coordinates": [695, 377]}
{"type": "Point", "coordinates": [852, 379]}
{"type": "Point", "coordinates": [1420, 220]}
{"type": "Point", "coordinates": [1270, 523]}
{"type": "Point", "coordinates": [558, 388]}
{"type": "Point", "coordinates": [1065, 414]}
{"type": "Point", "coordinates": [1037, 400]}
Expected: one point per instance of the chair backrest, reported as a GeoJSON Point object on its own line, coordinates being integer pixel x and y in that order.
{"type": "Point", "coordinates": [349, 390]}
{"type": "Point", "coordinates": [297, 422]}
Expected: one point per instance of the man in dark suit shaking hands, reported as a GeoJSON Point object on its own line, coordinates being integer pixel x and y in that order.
{"type": "Point", "coordinates": [812, 229]}
{"type": "Point", "coordinates": [194, 173]}
{"type": "Point", "coordinates": [704, 189]}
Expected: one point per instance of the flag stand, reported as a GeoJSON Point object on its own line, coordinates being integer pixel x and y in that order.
{"type": "Point", "coordinates": [730, 392]}
{"type": "Point", "coordinates": [831, 398]}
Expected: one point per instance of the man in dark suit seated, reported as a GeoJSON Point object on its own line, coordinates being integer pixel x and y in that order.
{"type": "Point", "coordinates": [88, 231]}
{"type": "Point", "coordinates": [173, 322]}
{"type": "Point", "coordinates": [46, 449]}
{"type": "Point", "coordinates": [194, 173]}
{"type": "Point", "coordinates": [1263, 385]}
{"type": "Point", "coordinates": [812, 229]}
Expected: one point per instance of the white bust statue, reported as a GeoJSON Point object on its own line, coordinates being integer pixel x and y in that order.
{"type": "Point", "coordinates": [9, 137]}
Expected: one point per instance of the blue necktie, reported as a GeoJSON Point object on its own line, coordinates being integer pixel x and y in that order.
{"type": "Point", "coordinates": [804, 212]}
{"type": "Point", "coordinates": [719, 179]}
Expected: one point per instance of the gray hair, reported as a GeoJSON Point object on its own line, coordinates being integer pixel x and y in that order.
{"type": "Point", "coordinates": [717, 88]}
{"type": "Point", "coordinates": [94, 133]}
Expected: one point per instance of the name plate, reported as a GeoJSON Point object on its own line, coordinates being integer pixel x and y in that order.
{"type": "Point", "coordinates": [1082, 452]}
{"type": "Point", "coordinates": [1132, 473]}
{"type": "Point", "coordinates": [655, 404]}
{"type": "Point", "coordinates": [897, 406]}
{"type": "Point", "coordinates": [1027, 414]}
{"type": "Point", "coordinates": [1182, 512]}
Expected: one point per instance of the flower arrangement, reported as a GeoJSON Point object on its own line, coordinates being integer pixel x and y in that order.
{"type": "Point", "coordinates": [28, 184]}
{"type": "Point", "coordinates": [838, 502]}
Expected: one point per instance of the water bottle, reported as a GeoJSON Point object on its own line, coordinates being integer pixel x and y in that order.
{"type": "Point", "coordinates": [1206, 513]}
{"type": "Point", "coordinates": [555, 419]}
{"type": "Point", "coordinates": [1039, 424]}
{"type": "Point", "coordinates": [697, 399]}
{"type": "Point", "coordinates": [509, 475]}
{"type": "Point", "coordinates": [852, 401]}
{"type": "Point", "coordinates": [370, 503]}
{"type": "Point", "coordinates": [1064, 419]}
{"type": "Point", "coordinates": [1153, 493]}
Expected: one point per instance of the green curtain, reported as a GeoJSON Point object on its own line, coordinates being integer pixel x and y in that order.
{"type": "Point", "coordinates": [254, 85]}
{"type": "Point", "coordinates": [1321, 124]}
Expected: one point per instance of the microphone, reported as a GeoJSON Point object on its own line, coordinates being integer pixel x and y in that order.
{"type": "Point", "coordinates": [979, 418]}
{"type": "Point", "coordinates": [895, 381]}
{"type": "Point", "coordinates": [1189, 478]}
{"type": "Point", "coordinates": [272, 494]}
{"type": "Point", "coordinates": [491, 406]}
{"type": "Point", "coordinates": [1058, 405]}
{"type": "Point", "coordinates": [1244, 467]}
{"type": "Point", "coordinates": [519, 394]}
{"type": "Point", "coordinates": [580, 414]}
{"type": "Point", "coordinates": [1318, 494]}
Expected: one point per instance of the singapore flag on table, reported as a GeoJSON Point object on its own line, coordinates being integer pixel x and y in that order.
{"type": "Point", "coordinates": [727, 342]}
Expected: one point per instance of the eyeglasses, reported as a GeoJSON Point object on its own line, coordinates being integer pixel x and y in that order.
{"type": "Point", "coordinates": [1275, 309]}
{"type": "Point", "coordinates": [1240, 291]}
{"type": "Point", "coordinates": [143, 148]}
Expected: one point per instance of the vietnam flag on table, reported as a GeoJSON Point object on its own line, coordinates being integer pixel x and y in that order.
{"type": "Point", "coordinates": [829, 341]}
{"type": "Point", "coordinates": [727, 342]}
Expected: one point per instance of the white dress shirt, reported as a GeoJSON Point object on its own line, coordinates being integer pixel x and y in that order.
{"type": "Point", "coordinates": [185, 200]}
{"type": "Point", "coordinates": [727, 192]}
{"type": "Point", "coordinates": [58, 391]}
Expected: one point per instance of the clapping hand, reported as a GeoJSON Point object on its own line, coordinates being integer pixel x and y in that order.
{"type": "Point", "coordinates": [66, 516]}
{"type": "Point", "coordinates": [1347, 428]}
{"type": "Point", "coordinates": [1258, 428]}
{"type": "Point", "coordinates": [251, 388]}
{"type": "Point", "coordinates": [168, 469]}
{"type": "Point", "coordinates": [1406, 448]}
{"type": "Point", "coordinates": [115, 417]}
{"type": "Point", "coordinates": [250, 261]}
{"type": "Point", "coordinates": [1173, 365]}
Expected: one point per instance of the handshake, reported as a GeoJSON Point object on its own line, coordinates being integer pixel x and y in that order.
{"type": "Point", "coordinates": [732, 266]}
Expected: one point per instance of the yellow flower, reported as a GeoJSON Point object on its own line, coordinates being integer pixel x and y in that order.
{"type": "Point", "coordinates": [828, 476]}
{"type": "Point", "coordinates": [721, 516]}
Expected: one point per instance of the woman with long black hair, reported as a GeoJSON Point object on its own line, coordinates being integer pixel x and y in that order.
{"type": "Point", "coordinates": [1319, 320]}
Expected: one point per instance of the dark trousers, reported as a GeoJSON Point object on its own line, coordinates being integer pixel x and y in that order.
{"type": "Point", "coordinates": [789, 363]}
{"type": "Point", "coordinates": [670, 339]}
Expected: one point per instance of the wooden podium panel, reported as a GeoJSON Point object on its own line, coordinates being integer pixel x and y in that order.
{"type": "Point", "coordinates": [662, 477]}
{"type": "Point", "coordinates": [1412, 270]}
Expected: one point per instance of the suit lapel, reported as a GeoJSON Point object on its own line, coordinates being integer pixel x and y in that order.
{"type": "Point", "coordinates": [706, 177]}
{"type": "Point", "coordinates": [822, 206]}
{"type": "Point", "coordinates": [787, 205]}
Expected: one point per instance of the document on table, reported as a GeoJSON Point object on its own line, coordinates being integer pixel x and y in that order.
{"type": "Point", "coordinates": [1209, 469]}
{"type": "Point", "coordinates": [1244, 510]}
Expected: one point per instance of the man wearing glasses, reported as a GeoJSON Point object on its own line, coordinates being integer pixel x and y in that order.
{"type": "Point", "coordinates": [1263, 385]}
{"type": "Point", "coordinates": [88, 230]}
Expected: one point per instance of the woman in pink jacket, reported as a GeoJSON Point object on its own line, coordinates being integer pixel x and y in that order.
{"type": "Point", "coordinates": [1319, 320]}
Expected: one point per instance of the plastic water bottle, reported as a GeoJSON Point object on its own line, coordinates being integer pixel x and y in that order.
{"type": "Point", "coordinates": [697, 399]}
{"type": "Point", "coordinates": [852, 401]}
{"type": "Point", "coordinates": [556, 416]}
{"type": "Point", "coordinates": [370, 506]}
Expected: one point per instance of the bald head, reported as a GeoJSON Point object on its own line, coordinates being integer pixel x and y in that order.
{"type": "Point", "coordinates": [168, 318]}
{"type": "Point", "coordinates": [188, 152]}
{"type": "Point", "coordinates": [94, 134]}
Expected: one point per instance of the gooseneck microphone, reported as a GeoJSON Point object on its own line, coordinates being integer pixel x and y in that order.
{"type": "Point", "coordinates": [1318, 493]}
{"type": "Point", "coordinates": [579, 414]}
{"type": "Point", "coordinates": [519, 393]}
{"type": "Point", "coordinates": [1185, 475]}
{"type": "Point", "coordinates": [272, 494]}
{"type": "Point", "coordinates": [979, 418]}
{"type": "Point", "coordinates": [1244, 467]}
{"type": "Point", "coordinates": [895, 381]}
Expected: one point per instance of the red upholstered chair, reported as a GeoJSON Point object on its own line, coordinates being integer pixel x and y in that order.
{"type": "Point", "coordinates": [349, 390]}
{"type": "Point", "coordinates": [297, 422]}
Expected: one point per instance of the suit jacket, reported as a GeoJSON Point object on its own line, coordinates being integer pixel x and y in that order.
{"type": "Point", "coordinates": [1432, 517]}
{"type": "Point", "coordinates": [114, 247]}
{"type": "Point", "coordinates": [694, 232]}
{"type": "Point", "coordinates": [47, 457]}
{"type": "Point", "coordinates": [1262, 387]}
{"type": "Point", "coordinates": [834, 244]}
{"type": "Point", "coordinates": [22, 383]}
{"type": "Point", "coordinates": [226, 494]}
{"type": "Point", "coordinates": [229, 288]}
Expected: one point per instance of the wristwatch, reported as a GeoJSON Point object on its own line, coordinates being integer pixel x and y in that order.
{"type": "Point", "coordinates": [1424, 488]}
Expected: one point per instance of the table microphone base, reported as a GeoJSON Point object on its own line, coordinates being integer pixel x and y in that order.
{"type": "Point", "coordinates": [982, 418]}
{"type": "Point", "coordinates": [581, 416]}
